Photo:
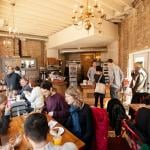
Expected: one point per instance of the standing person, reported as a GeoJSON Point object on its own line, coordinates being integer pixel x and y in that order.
{"type": "Point", "coordinates": [91, 72]}
{"type": "Point", "coordinates": [17, 70]}
{"type": "Point", "coordinates": [99, 78]}
{"type": "Point", "coordinates": [36, 130]}
{"type": "Point", "coordinates": [55, 104]}
{"type": "Point", "coordinates": [12, 79]}
{"type": "Point", "coordinates": [138, 83]}
{"type": "Point", "coordinates": [80, 121]}
{"type": "Point", "coordinates": [115, 78]}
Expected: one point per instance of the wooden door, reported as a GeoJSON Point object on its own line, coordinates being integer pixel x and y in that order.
{"type": "Point", "coordinates": [86, 62]}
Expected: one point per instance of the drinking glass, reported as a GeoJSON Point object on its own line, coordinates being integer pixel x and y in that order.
{"type": "Point", "coordinates": [57, 140]}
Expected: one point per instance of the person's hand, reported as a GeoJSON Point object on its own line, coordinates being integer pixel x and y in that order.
{"type": "Point", "coordinates": [7, 108]}
{"type": "Point", "coordinates": [18, 140]}
{"type": "Point", "coordinates": [15, 141]}
{"type": "Point", "coordinates": [26, 92]}
{"type": "Point", "coordinates": [51, 113]}
{"type": "Point", "coordinates": [7, 147]}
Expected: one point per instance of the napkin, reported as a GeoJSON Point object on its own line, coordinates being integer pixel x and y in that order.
{"type": "Point", "coordinates": [52, 123]}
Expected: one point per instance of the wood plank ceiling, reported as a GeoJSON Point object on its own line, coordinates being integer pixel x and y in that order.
{"type": "Point", "coordinates": [46, 17]}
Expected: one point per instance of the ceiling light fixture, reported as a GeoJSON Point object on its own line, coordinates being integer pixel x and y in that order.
{"type": "Point", "coordinates": [12, 29]}
{"type": "Point", "coordinates": [88, 15]}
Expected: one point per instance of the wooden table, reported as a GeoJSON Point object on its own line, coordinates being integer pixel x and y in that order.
{"type": "Point", "coordinates": [16, 126]}
{"type": "Point", "coordinates": [136, 107]}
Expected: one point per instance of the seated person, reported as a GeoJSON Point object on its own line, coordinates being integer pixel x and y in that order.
{"type": "Point", "coordinates": [55, 104]}
{"type": "Point", "coordinates": [36, 130]}
{"type": "Point", "coordinates": [4, 114]}
{"type": "Point", "coordinates": [35, 97]}
{"type": "Point", "coordinates": [25, 86]}
{"type": "Point", "coordinates": [142, 124]}
{"type": "Point", "coordinates": [80, 121]}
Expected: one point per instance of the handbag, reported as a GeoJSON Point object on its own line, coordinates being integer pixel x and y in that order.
{"type": "Point", "coordinates": [100, 87]}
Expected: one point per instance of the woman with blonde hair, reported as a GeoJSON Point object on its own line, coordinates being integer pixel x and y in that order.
{"type": "Point", "coordinates": [80, 120]}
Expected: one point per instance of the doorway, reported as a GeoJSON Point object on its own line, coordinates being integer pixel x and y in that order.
{"type": "Point", "coordinates": [86, 62]}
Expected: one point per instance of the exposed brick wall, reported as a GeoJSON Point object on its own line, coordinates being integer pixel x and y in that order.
{"type": "Point", "coordinates": [134, 32]}
{"type": "Point", "coordinates": [32, 48]}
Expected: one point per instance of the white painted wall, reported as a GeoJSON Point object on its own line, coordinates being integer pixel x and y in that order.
{"type": "Point", "coordinates": [68, 35]}
{"type": "Point", "coordinates": [109, 30]}
{"type": "Point", "coordinates": [113, 52]}
{"type": "Point", "coordinates": [72, 34]}
{"type": "Point", "coordinates": [52, 53]}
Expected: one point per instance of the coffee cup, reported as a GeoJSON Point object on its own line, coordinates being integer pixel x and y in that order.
{"type": "Point", "coordinates": [84, 82]}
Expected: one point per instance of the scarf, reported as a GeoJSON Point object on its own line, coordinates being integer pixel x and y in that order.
{"type": "Point", "coordinates": [75, 120]}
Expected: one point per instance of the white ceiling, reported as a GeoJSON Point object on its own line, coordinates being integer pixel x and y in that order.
{"type": "Point", "coordinates": [46, 17]}
{"type": "Point", "coordinates": [92, 41]}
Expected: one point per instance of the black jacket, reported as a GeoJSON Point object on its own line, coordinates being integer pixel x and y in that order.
{"type": "Point", "coordinates": [4, 122]}
{"type": "Point", "coordinates": [12, 81]}
{"type": "Point", "coordinates": [116, 114]}
{"type": "Point", "coordinates": [102, 80]}
{"type": "Point", "coordinates": [86, 124]}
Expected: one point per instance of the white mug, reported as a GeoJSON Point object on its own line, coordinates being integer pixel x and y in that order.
{"type": "Point", "coordinates": [84, 82]}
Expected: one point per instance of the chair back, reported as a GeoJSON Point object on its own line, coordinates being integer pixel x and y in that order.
{"type": "Point", "coordinates": [18, 108]}
{"type": "Point", "coordinates": [134, 139]}
{"type": "Point", "coordinates": [116, 114]}
{"type": "Point", "coordinates": [100, 120]}
{"type": "Point", "coordinates": [142, 123]}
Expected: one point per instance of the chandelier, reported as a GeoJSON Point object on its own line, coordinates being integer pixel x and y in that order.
{"type": "Point", "coordinates": [88, 15]}
{"type": "Point", "coordinates": [12, 29]}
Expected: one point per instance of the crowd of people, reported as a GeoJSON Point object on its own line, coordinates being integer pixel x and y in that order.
{"type": "Point", "coordinates": [69, 110]}
{"type": "Point", "coordinates": [133, 91]}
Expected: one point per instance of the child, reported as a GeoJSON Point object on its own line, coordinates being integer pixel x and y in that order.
{"type": "Point", "coordinates": [127, 94]}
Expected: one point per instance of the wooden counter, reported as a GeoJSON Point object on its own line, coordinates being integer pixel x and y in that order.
{"type": "Point", "coordinates": [60, 86]}
{"type": "Point", "coordinates": [88, 93]}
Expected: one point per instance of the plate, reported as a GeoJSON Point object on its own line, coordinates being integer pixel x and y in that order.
{"type": "Point", "coordinates": [56, 131]}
